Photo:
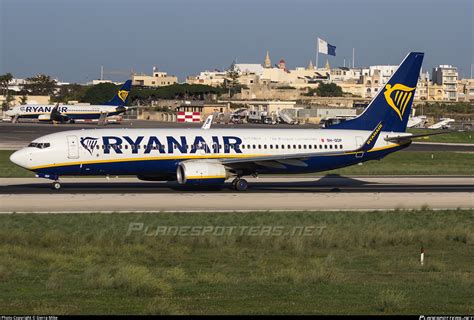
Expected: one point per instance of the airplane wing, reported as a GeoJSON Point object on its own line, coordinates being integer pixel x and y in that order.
{"type": "Point", "coordinates": [55, 115]}
{"type": "Point", "coordinates": [296, 159]}
{"type": "Point", "coordinates": [406, 138]}
{"type": "Point", "coordinates": [207, 123]}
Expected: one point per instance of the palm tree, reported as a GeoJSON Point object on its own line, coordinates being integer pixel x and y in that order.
{"type": "Point", "coordinates": [4, 81]}
{"type": "Point", "coordinates": [41, 84]}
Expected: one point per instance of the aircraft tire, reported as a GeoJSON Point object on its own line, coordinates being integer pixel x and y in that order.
{"type": "Point", "coordinates": [56, 185]}
{"type": "Point", "coordinates": [241, 185]}
{"type": "Point", "coordinates": [234, 182]}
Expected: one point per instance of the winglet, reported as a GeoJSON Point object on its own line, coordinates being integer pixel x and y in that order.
{"type": "Point", "coordinates": [207, 123]}
{"type": "Point", "coordinates": [372, 139]}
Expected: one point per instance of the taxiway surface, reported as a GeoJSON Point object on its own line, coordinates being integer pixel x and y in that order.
{"type": "Point", "coordinates": [269, 193]}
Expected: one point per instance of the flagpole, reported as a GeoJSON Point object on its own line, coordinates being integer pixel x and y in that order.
{"type": "Point", "coordinates": [317, 53]}
{"type": "Point", "coordinates": [353, 58]}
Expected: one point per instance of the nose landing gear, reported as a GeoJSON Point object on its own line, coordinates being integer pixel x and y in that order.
{"type": "Point", "coordinates": [56, 185]}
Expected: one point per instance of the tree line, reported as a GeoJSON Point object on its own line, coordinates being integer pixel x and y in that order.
{"type": "Point", "coordinates": [44, 85]}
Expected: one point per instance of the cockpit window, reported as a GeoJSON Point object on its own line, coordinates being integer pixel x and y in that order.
{"type": "Point", "coordinates": [39, 145]}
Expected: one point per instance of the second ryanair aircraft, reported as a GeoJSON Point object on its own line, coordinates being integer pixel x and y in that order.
{"type": "Point", "coordinates": [70, 113]}
{"type": "Point", "coordinates": [210, 157]}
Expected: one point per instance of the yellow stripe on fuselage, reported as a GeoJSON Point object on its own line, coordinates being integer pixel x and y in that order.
{"type": "Point", "coordinates": [183, 157]}
{"type": "Point", "coordinates": [171, 157]}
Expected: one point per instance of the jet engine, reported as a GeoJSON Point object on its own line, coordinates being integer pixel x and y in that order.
{"type": "Point", "coordinates": [201, 173]}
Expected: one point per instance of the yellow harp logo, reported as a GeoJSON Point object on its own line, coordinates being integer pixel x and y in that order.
{"type": "Point", "coordinates": [123, 94]}
{"type": "Point", "coordinates": [397, 97]}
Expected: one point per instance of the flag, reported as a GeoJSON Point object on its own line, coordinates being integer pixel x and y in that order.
{"type": "Point", "coordinates": [326, 48]}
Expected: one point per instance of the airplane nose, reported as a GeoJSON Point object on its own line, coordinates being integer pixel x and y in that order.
{"type": "Point", "coordinates": [20, 158]}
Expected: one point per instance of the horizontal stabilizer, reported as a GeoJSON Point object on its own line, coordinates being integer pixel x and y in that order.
{"type": "Point", "coordinates": [399, 139]}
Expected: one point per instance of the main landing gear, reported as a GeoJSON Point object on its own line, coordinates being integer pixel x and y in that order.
{"type": "Point", "coordinates": [240, 184]}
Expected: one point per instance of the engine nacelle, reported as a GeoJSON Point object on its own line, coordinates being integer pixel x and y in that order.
{"type": "Point", "coordinates": [44, 117]}
{"type": "Point", "coordinates": [201, 173]}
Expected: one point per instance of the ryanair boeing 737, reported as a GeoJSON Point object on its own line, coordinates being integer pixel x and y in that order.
{"type": "Point", "coordinates": [210, 157]}
{"type": "Point", "coordinates": [69, 113]}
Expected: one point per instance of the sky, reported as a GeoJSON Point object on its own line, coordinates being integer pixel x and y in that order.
{"type": "Point", "coordinates": [71, 39]}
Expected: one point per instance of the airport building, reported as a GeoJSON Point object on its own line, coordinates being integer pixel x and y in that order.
{"type": "Point", "coordinates": [157, 79]}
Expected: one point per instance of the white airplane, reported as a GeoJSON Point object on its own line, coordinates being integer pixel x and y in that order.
{"type": "Point", "coordinates": [416, 121]}
{"type": "Point", "coordinates": [443, 124]}
{"type": "Point", "coordinates": [211, 156]}
{"type": "Point", "coordinates": [70, 113]}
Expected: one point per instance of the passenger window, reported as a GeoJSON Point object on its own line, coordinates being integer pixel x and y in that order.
{"type": "Point", "coordinates": [340, 146]}
{"type": "Point", "coordinates": [325, 146]}
{"type": "Point", "coordinates": [243, 146]}
{"type": "Point", "coordinates": [304, 146]}
{"type": "Point", "coordinates": [294, 146]}
{"type": "Point", "coordinates": [126, 146]}
{"type": "Point", "coordinates": [264, 146]}
{"type": "Point", "coordinates": [330, 146]}
{"type": "Point", "coordinates": [253, 146]}
{"type": "Point", "coordinates": [299, 146]}
{"type": "Point", "coordinates": [309, 146]}
{"type": "Point", "coordinates": [271, 146]}
{"type": "Point", "coordinates": [259, 146]}
{"type": "Point", "coordinates": [276, 146]}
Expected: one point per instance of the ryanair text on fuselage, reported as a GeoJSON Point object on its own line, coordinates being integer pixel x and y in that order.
{"type": "Point", "coordinates": [227, 144]}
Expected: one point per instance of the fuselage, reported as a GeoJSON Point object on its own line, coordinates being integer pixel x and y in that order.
{"type": "Point", "coordinates": [158, 152]}
{"type": "Point", "coordinates": [33, 111]}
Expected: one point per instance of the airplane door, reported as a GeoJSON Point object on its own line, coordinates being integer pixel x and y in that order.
{"type": "Point", "coordinates": [359, 143]}
{"type": "Point", "coordinates": [72, 147]}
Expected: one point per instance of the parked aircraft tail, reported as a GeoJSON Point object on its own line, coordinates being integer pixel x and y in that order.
{"type": "Point", "coordinates": [120, 98]}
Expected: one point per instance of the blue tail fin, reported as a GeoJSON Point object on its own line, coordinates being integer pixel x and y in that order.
{"type": "Point", "coordinates": [392, 104]}
{"type": "Point", "coordinates": [120, 98]}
